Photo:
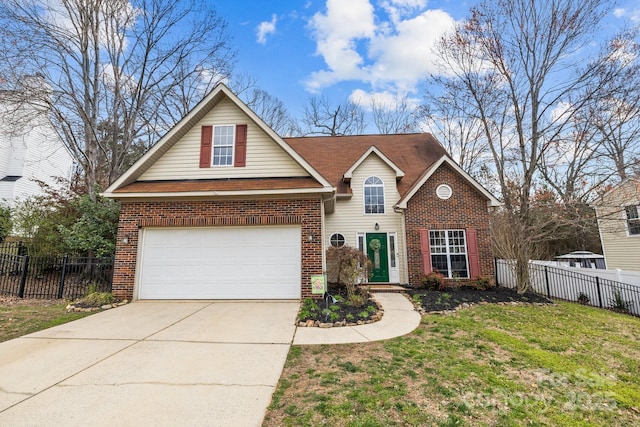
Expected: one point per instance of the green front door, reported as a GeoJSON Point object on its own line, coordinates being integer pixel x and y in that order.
{"type": "Point", "coordinates": [377, 253]}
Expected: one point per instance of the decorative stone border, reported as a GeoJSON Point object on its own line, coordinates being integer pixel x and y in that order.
{"type": "Point", "coordinates": [318, 324]}
{"type": "Point", "coordinates": [466, 305]}
{"type": "Point", "coordinates": [74, 308]}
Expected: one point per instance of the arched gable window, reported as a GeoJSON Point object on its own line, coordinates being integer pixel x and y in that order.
{"type": "Point", "coordinates": [373, 195]}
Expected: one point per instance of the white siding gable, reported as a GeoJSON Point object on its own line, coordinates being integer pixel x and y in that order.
{"type": "Point", "coordinates": [349, 217]}
{"type": "Point", "coordinates": [265, 159]}
{"type": "Point", "coordinates": [621, 250]}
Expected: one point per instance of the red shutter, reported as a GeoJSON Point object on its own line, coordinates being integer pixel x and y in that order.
{"type": "Point", "coordinates": [206, 136]}
{"type": "Point", "coordinates": [241, 146]}
{"type": "Point", "coordinates": [472, 252]}
{"type": "Point", "coordinates": [425, 249]}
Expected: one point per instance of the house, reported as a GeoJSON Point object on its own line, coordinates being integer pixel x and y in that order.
{"type": "Point", "coordinates": [30, 148]}
{"type": "Point", "coordinates": [223, 208]}
{"type": "Point", "coordinates": [618, 213]}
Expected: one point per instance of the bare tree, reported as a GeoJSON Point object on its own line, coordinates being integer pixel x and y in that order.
{"type": "Point", "coordinates": [395, 117]}
{"type": "Point", "coordinates": [268, 107]}
{"type": "Point", "coordinates": [617, 116]}
{"type": "Point", "coordinates": [515, 61]}
{"type": "Point", "coordinates": [320, 117]}
{"type": "Point", "coordinates": [135, 66]}
{"type": "Point", "coordinates": [460, 132]}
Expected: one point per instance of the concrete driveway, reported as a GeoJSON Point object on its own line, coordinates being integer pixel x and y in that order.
{"type": "Point", "coordinates": [150, 363]}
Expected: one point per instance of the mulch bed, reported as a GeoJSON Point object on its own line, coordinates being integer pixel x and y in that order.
{"type": "Point", "coordinates": [342, 314]}
{"type": "Point", "coordinates": [452, 298]}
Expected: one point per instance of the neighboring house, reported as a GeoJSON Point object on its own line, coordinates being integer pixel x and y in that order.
{"type": "Point", "coordinates": [30, 150]}
{"type": "Point", "coordinates": [618, 213]}
{"type": "Point", "coordinates": [222, 207]}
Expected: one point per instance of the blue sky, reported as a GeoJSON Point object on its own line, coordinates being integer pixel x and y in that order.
{"type": "Point", "coordinates": [348, 48]}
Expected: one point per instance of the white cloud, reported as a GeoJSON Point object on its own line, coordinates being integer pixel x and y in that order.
{"type": "Point", "coordinates": [397, 9]}
{"type": "Point", "coordinates": [337, 33]}
{"type": "Point", "coordinates": [633, 15]}
{"type": "Point", "coordinates": [265, 28]}
{"type": "Point", "coordinates": [390, 55]}
{"type": "Point", "coordinates": [406, 56]}
{"type": "Point", "coordinates": [386, 100]}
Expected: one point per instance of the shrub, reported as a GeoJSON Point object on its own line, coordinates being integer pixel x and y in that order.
{"type": "Point", "coordinates": [347, 266]}
{"type": "Point", "coordinates": [97, 299]}
{"type": "Point", "coordinates": [617, 303]}
{"type": "Point", "coordinates": [482, 283]}
{"type": "Point", "coordinates": [5, 222]}
{"type": "Point", "coordinates": [583, 298]}
{"type": "Point", "coordinates": [432, 281]}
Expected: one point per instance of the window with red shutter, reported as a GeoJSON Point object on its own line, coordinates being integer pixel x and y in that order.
{"type": "Point", "coordinates": [206, 137]}
{"type": "Point", "coordinates": [426, 251]}
{"type": "Point", "coordinates": [241, 146]}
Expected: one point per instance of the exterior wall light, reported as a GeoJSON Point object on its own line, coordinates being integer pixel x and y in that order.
{"type": "Point", "coordinates": [377, 226]}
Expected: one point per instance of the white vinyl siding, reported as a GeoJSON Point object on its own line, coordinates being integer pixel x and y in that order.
{"type": "Point", "coordinates": [265, 159]}
{"type": "Point", "coordinates": [349, 217]}
{"type": "Point", "coordinates": [621, 249]}
{"type": "Point", "coordinates": [34, 153]}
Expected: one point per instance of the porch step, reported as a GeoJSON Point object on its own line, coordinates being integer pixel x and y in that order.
{"type": "Point", "coordinates": [384, 287]}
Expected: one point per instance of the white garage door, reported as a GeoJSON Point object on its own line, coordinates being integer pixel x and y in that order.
{"type": "Point", "coordinates": [220, 263]}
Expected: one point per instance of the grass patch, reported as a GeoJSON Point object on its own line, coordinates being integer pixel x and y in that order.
{"type": "Point", "coordinates": [27, 316]}
{"type": "Point", "coordinates": [563, 364]}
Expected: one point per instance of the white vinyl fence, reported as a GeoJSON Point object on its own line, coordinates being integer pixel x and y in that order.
{"type": "Point", "coordinates": [593, 287]}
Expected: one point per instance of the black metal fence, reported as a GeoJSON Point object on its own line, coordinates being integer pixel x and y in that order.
{"type": "Point", "coordinates": [70, 277]}
{"type": "Point", "coordinates": [562, 283]}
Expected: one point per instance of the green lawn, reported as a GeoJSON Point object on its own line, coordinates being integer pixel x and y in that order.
{"type": "Point", "coordinates": [21, 317]}
{"type": "Point", "coordinates": [558, 365]}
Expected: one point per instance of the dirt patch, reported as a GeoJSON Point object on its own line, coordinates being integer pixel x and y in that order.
{"type": "Point", "coordinates": [11, 301]}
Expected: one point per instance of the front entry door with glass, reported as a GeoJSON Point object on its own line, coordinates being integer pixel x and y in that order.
{"type": "Point", "coordinates": [377, 251]}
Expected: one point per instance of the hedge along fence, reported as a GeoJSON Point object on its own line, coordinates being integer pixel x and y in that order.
{"type": "Point", "coordinates": [565, 284]}
{"type": "Point", "coordinates": [51, 277]}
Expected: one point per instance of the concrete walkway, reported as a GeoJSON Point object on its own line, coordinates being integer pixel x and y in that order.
{"type": "Point", "coordinates": [399, 319]}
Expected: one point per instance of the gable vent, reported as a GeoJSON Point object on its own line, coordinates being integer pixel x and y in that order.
{"type": "Point", "coordinates": [444, 192]}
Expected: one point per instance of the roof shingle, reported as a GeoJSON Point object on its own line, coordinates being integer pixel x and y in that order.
{"type": "Point", "coordinates": [333, 156]}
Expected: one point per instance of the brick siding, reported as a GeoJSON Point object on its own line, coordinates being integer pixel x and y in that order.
{"type": "Point", "coordinates": [135, 215]}
{"type": "Point", "coordinates": [467, 208]}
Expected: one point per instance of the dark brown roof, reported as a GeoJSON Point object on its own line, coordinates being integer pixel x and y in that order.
{"type": "Point", "coordinates": [333, 156]}
{"type": "Point", "coordinates": [220, 185]}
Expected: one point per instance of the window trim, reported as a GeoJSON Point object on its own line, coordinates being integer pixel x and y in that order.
{"type": "Point", "coordinates": [331, 238]}
{"type": "Point", "coordinates": [448, 252]}
{"type": "Point", "coordinates": [364, 195]}
{"type": "Point", "coordinates": [233, 146]}
{"type": "Point", "coordinates": [628, 221]}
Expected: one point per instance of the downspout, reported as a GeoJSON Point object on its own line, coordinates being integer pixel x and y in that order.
{"type": "Point", "coordinates": [331, 197]}
{"type": "Point", "coordinates": [404, 274]}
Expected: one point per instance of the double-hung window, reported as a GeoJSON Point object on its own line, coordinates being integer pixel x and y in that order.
{"type": "Point", "coordinates": [449, 253]}
{"type": "Point", "coordinates": [223, 138]}
{"type": "Point", "coordinates": [633, 220]}
{"type": "Point", "coordinates": [373, 195]}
